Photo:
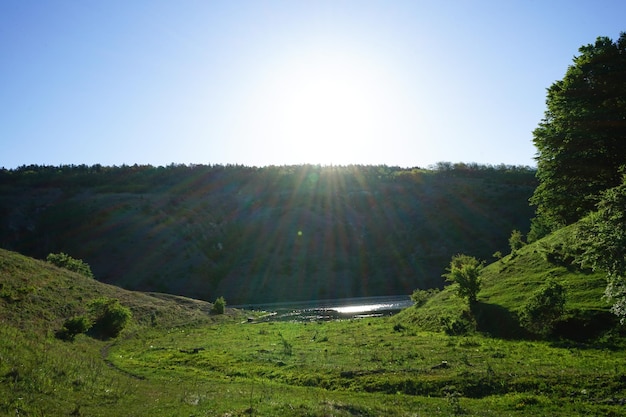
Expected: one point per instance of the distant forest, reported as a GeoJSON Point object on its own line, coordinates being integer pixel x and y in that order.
{"type": "Point", "coordinates": [276, 233]}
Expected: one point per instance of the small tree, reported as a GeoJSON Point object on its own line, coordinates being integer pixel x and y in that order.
{"type": "Point", "coordinates": [544, 308]}
{"type": "Point", "coordinates": [219, 306]}
{"type": "Point", "coordinates": [516, 241]}
{"type": "Point", "coordinates": [464, 270]}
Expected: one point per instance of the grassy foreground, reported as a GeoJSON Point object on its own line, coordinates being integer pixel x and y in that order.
{"type": "Point", "coordinates": [370, 368]}
{"type": "Point", "coordinates": [178, 360]}
{"type": "Point", "coordinates": [346, 368]}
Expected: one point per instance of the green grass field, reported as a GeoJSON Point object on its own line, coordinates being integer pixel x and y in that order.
{"type": "Point", "coordinates": [178, 359]}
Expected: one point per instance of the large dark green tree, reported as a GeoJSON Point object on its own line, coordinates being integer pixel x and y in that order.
{"type": "Point", "coordinates": [581, 142]}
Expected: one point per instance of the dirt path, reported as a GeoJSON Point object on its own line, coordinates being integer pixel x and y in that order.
{"type": "Point", "coordinates": [104, 354]}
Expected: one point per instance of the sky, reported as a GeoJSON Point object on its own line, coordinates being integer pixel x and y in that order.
{"type": "Point", "coordinates": [257, 83]}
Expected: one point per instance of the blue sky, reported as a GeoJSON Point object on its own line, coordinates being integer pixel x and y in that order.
{"type": "Point", "coordinates": [407, 83]}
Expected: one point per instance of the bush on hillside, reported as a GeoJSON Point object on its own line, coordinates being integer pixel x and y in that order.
{"type": "Point", "coordinates": [219, 306]}
{"type": "Point", "coordinates": [109, 317]}
{"type": "Point", "coordinates": [568, 254]}
{"type": "Point", "coordinates": [419, 297]}
{"type": "Point", "coordinates": [544, 309]}
{"type": "Point", "coordinates": [73, 327]}
{"type": "Point", "coordinates": [63, 260]}
{"type": "Point", "coordinates": [558, 254]}
{"type": "Point", "coordinates": [458, 326]}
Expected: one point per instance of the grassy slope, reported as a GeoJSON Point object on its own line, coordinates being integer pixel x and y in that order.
{"type": "Point", "coordinates": [41, 375]}
{"type": "Point", "coordinates": [508, 283]}
{"type": "Point", "coordinates": [41, 296]}
{"type": "Point", "coordinates": [191, 363]}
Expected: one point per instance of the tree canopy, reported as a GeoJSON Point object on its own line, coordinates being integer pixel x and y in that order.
{"type": "Point", "coordinates": [581, 142]}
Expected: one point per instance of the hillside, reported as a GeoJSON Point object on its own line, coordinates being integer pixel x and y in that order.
{"type": "Point", "coordinates": [43, 375]}
{"type": "Point", "coordinates": [174, 359]}
{"type": "Point", "coordinates": [264, 234]}
{"type": "Point", "coordinates": [507, 284]}
{"type": "Point", "coordinates": [39, 296]}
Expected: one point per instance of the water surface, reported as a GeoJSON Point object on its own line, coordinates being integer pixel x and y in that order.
{"type": "Point", "coordinates": [333, 309]}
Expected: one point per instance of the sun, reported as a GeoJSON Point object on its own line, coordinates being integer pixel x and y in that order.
{"type": "Point", "coordinates": [326, 111]}
{"type": "Point", "coordinates": [326, 107]}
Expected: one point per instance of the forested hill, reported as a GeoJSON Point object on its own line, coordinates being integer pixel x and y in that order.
{"type": "Point", "coordinates": [266, 234]}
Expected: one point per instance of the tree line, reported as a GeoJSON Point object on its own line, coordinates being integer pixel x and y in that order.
{"type": "Point", "coordinates": [185, 179]}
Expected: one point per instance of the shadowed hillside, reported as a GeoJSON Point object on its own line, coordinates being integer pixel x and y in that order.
{"type": "Point", "coordinates": [38, 296]}
{"type": "Point", "coordinates": [265, 234]}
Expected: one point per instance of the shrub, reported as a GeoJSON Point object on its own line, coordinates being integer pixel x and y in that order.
{"type": "Point", "coordinates": [63, 260]}
{"type": "Point", "coordinates": [458, 326]}
{"type": "Point", "coordinates": [219, 306]}
{"type": "Point", "coordinates": [78, 324]}
{"type": "Point", "coordinates": [419, 297]}
{"type": "Point", "coordinates": [74, 326]}
{"type": "Point", "coordinates": [544, 308]}
{"type": "Point", "coordinates": [565, 254]}
{"type": "Point", "coordinates": [109, 317]}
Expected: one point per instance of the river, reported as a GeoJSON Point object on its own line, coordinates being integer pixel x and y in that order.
{"type": "Point", "coordinates": [332, 309]}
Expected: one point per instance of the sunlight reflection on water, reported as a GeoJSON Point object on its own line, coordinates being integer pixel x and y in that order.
{"type": "Point", "coordinates": [335, 309]}
{"type": "Point", "coordinates": [363, 308]}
